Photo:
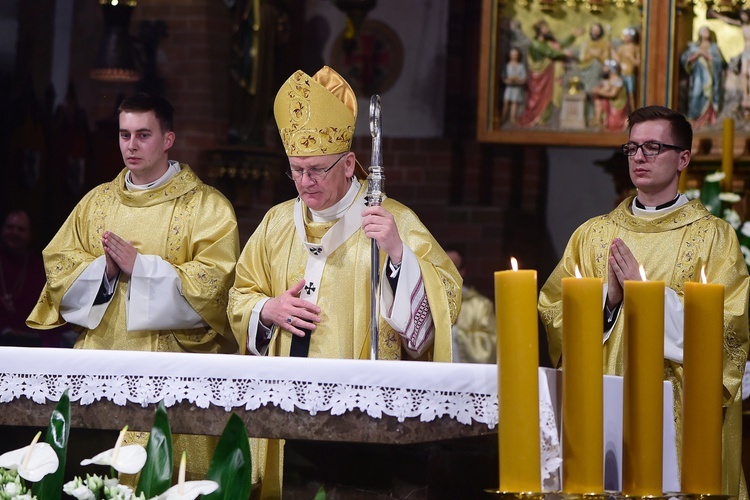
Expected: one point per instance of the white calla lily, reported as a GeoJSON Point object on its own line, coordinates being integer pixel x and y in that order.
{"type": "Point", "coordinates": [715, 177]}
{"type": "Point", "coordinates": [189, 490]}
{"type": "Point", "coordinates": [128, 459]}
{"type": "Point", "coordinates": [32, 462]}
{"type": "Point", "coordinates": [730, 197]}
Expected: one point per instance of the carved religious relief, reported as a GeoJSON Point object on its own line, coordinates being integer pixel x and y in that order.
{"type": "Point", "coordinates": [556, 68]}
{"type": "Point", "coordinates": [714, 70]}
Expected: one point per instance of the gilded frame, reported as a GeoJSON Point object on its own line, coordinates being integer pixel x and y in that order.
{"type": "Point", "coordinates": [501, 20]}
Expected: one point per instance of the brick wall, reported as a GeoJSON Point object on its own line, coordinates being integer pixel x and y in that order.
{"type": "Point", "coordinates": [194, 63]}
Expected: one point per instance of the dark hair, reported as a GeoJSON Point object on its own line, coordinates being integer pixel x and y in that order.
{"type": "Point", "coordinates": [142, 103]}
{"type": "Point", "coordinates": [682, 131]}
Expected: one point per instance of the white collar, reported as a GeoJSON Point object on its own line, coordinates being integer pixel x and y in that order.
{"type": "Point", "coordinates": [337, 209]}
{"type": "Point", "coordinates": [653, 212]}
{"type": "Point", "coordinates": [172, 170]}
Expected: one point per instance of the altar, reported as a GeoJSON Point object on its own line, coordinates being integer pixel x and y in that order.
{"type": "Point", "coordinates": [397, 403]}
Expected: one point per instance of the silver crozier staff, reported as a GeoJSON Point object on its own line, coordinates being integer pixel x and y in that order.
{"type": "Point", "coordinates": [375, 195]}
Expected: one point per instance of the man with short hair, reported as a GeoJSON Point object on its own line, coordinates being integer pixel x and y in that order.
{"type": "Point", "coordinates": [145, 262]}
{"type": "Point", "coordinates": [304, 277]}
{"type": "Point", "coordinates": [672, 238]}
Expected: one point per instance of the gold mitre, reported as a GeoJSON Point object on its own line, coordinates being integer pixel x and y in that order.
{"type": "Point", "coordinates": [316, 115]}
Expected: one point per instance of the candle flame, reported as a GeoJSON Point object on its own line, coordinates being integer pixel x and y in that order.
{"type": "Point", "coordinates": [514, 263]}
{"type": "Point", "coordinates": [643, 272]}
{"type": "Point", "coordinates": [578, 272]}
{"type": "Point", "coordinates": [703, 275]}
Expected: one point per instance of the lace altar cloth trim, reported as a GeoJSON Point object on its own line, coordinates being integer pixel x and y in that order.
{"type": "Point", "coordinates": [401, 389]}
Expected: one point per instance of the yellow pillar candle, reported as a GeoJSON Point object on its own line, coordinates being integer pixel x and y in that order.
{"type": "Point", "coordinates": [702, 388]}
{"type": "Point", "coordinates": [643, 388]}
{"type": "Point", "coordinates": [582, 387]}
{"type": "Point", "coordinates": [727, 152]}
{"type": "Point", "coordinates": [518, 380]}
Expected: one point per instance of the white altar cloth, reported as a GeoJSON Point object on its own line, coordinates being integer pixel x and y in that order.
{"type": "Point", "coordinates": [465, 392]}
{"type": "Point", "coordinates": [403, 389]}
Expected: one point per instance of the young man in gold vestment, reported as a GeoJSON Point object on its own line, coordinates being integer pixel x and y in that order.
{"type": "Point", "coordinates": [672, 238]}
{"type": "Point", "coordinates": [304, 278]}
{"type": "Point", "coordinates": [145, 262]}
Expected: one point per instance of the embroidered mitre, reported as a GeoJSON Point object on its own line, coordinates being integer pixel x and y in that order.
{"type": "Point", "coordinates": [316, 115]}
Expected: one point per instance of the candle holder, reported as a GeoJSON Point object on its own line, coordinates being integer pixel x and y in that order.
{"type": "Point", "coordinates": [518, 495]}
{"type": "Point", "coordinates": [673, 495]}
{"type": "Point", "coordinates": [548, 495]}
{"type": "Point", "coordinates": [609, 495]}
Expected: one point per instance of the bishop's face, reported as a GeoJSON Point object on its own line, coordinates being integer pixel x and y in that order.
{"type": "Point", "coordinates": [144, 146]}
{"type": "Point", "coordinates": [319, 194]}
{"type": "Point", "coordinates": [656, 177]}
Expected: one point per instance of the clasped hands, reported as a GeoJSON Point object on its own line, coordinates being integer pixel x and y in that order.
{"type": "Point", "coordinates": [119, 254]}
{"type": "Point", "coordinates": [293, 314]}
{"type": "Point", "coordinates": [622, 266]}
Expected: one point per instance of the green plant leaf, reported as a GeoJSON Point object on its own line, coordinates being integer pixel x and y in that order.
{"type": "Point", "coordinates": [156, 475]}
{"type": "Point", "coordinates": [321, 494]}
{"type": "Point", "coordinates": [710, 197]}
{"type": "Point", "coordinates": [231, 464]}
{"type": "Point", "coordinates": [50, 487]}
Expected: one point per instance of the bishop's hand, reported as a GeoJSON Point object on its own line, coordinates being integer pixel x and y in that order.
{"type": "Point", "coordinates": [290, 312]}
{"type": "Point", "coordinates": [379, 224]}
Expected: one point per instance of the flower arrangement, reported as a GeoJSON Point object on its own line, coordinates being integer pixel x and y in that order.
{"type": "Point", "coordinates": [723, 205]}
{"type": "Point", "coordinates": [42, 465]}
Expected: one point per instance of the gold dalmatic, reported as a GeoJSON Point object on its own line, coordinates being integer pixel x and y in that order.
{"type": "Point", "coordinates": [672, 248]}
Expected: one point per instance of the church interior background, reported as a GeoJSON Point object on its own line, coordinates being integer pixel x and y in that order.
{"type": "Point", "coordinates": [220, 63]}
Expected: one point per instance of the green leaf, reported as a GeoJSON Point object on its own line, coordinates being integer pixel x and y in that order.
{"type": "Point", "coordinates": [156, 475]}
{"type": "Point", "coordinates": [710, 197]}
{"type": "Point", "coordinates": [50, 487]}
{"type": "Point", "coordinates": [231, 464]}
{"type": "Point", "coordinates": [321, 494]}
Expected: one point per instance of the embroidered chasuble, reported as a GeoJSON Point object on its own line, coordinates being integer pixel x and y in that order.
{"type": "Point", "coordinates": [276, 257]}
{"type": "Point", "coordinates": [672, 248]}
{"type": "Point", "coordinates": [287, 246]}
{"type": "Point", "coordinates": [186, 222]}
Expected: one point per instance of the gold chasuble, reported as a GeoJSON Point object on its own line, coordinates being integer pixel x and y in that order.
{"type": "Point", "coordinates": [475, 335]}
{"type": "Point", "coordinates": [275, 258]}
{"type": "Point", "coordinates": [187, 223]}
{"type": "Point", "coordinates": [672, 248]}
{"type": "Point", "coordinates": [191, 226]}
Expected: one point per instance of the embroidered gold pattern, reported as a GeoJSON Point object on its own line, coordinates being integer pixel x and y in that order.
{"type": "Point", "coordinates": [300, 140]}
{"type": "Point", "coordinates": [450, 294]}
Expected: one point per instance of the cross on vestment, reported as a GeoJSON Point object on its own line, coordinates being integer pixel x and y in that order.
{"type": "Point", "coordinates": [310, 288]}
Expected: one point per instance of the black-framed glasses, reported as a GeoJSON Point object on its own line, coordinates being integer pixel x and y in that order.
{"type": "Point", "coordinates": [315, 174]}
{"type": "Point", "coordinates": [648, 148]}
